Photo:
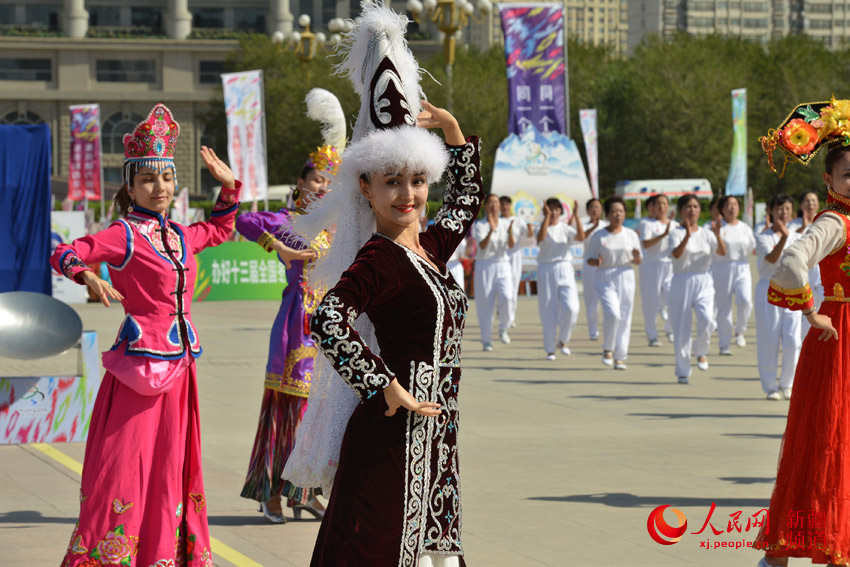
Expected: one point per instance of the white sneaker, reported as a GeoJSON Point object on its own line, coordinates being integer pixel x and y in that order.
{"type": "Point", "coordinates": [607, 359]}
{"type": "Point", "coordinates": [594, 337]}
{"type": "Point", "coordinates": [702, 364]}
{"type": "Point", "coordinates": [786, 393]}
{"type": "Point", "coordinates": [670, 337]}
{"type": "Point", "coordinates": [655, 343]}
{"type": "Point", "coordinates": [564, 349]}
{"type": "Point", "coordinates": [664, 315]}
{"type": "Point", "coordinates": [725, 351]}
{"type": "Point", "coordinates": [620, 365]}
{"type": "Point", "coordinates": [488, 347]}
{"type": "Point", "coordinates": [740, 341]}
{"type": "Point", "coordinates": [683, 380]}
{"type": "Point", "coordinates": [551, 356]}
{"type": "Point", "coordinates": [774, 396]}
{"type": "Point", "coordinates": [503, 336]}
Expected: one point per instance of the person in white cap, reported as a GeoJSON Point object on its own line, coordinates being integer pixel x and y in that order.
{"type": "Point", "coordinates": [557, 295]}
{"type": "Point", "coordinates": [612, 250]}
{"type": "Point", "coordinates": [692, 289]}
{"type": "Point", "coordinates": [656, 270]}
{"type": "Point", "coordinates": [493, 278]}
{"type": "Point", "coordinates": [776, 327]}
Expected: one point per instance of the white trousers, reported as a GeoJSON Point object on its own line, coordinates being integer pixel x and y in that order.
{"type": "Point", "coordinates": [591, 299]}
{"type": "Point", "coordinates": [493, 285]}
{"type": "Point", "coordinates": [616, 290]}
{"type": "Point", "coordinates": [817, 291]}
{"type": "Point", "coordinates": [776, 327]}
{"type": "Point", "coordinates": [655, 277]}
{"type": "Point", "coordinates": [456, 269]}
{"type": "Point", "coordinates": [691, 292]}
{"type": "Point", "coordinates": [515, 258]}
{"type": "Point", "coordinates": [557, 302]}
{"type": "Point", "coordinates": [732, 281]}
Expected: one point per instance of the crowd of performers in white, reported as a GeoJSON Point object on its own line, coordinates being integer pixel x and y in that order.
{"type": "Point", "coordinates": [685, 271]}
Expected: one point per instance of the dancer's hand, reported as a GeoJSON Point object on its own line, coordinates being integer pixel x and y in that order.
{"type": "Point", "coordinates": [823, 322]}
{"type": "Point", "coordinates": [218, 168]}
{"type": "Point", "coordinates": [101, 288]}
{"type": "Point", "coordinates": [288, 255]}
{"type": "Point", "coordinates": [433, 117]}
{"type": "Point", "coordinates": [397, 397]}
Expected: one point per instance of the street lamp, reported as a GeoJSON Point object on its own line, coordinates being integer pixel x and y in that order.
{"type": "Point", "coordinates": [451, 16]}
{"type": "Point", "coordinates": [307, 43]}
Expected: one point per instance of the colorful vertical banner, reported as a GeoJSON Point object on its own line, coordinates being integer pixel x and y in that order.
{"type": "Point", "coordinates": [534, 50]}
{"type": "Point", "coordinates": [537, 157]}
{"type": "Point", "coordinates": [736, 183]}
{"type": "Point", "coordinates": [587, 119]}
{"type": "Point", "coordinates": [84, 173]}
{"type": "Point", "coordinates": [246, 131]}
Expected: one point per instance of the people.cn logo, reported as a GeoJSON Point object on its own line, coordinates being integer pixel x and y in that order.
{"type": "Point", "coordinates": [661, 531]}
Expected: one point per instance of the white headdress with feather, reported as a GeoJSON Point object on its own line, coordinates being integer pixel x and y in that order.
{"type": "Point", "coordinates": [385, 138]}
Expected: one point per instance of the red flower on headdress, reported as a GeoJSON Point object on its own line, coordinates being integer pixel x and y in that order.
{"type": "Point", "coordinates": [799, 137]}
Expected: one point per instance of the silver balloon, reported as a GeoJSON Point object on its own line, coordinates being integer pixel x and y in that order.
{"type": "Point", "coordinates": [34, 325]}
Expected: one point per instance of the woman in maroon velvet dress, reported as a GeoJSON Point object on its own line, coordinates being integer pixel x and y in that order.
{"type": "Point", "coordinates": [396, 496]}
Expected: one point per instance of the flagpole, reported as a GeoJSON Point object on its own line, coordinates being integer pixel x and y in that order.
{"type": "Point", "coordinates": [566, 77]}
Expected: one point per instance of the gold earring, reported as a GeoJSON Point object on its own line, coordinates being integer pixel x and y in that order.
{"type": "Point", "coordinates": [427, 209]}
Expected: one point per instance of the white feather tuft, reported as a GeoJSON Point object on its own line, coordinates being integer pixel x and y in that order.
{"type": "Point", "coordinates": [324, 107]}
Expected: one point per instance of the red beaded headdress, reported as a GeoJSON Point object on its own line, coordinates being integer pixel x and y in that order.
{"type": "Point", "coordinates": [809, 127]}
{"type": "Point", "coordinates": [152, 142]}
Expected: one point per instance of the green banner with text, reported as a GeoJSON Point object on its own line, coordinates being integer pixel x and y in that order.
{"type": "Point", "coordinates": [238, 271]}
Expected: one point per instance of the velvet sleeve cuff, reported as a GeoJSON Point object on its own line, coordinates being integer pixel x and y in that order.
{"type": "Point", "coordinates": [798, 299]}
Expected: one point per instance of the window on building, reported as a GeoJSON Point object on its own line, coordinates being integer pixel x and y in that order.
{"type": "Point", "coordinates": [104, 16]}
{"type": "Point", "coordinates": [43, 15]}
{"type": "Point", "coordinates": [755, 23]}
{"type": "Point", "coordinates": [21, 69]}
{"type": "Point", "coordinates": [778, 22]}
{"type": "Point", "coordinates": [208, 17]}
{"type": "Point", "coordinates": [819, 8]}
{"type": "Point", "coordinates": [113, 174]}
{"type": "Point", "coordinates": [210, 72]}
{"type": "Point", "coordinates": [126, 70]}
{"type": "Point", "coordinates": [146, 18]}
{"type": "Point", "coordinates": [7, 14]}
{"type": "Point", "coordinates": [838, 23]}
{"type": "Point", "coordinates": [249, 19]}
{"type": "Point", "coordinates": [755, 6]}
{"type": "Point", "coordinates": [820, 24]}
{"type": "Point", "coordinates": [113, 129]}
{"type": "Point", "coordinates": [16, 117]}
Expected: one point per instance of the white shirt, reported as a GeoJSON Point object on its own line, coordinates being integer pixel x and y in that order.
{"type": "Point", "coordinates": [497, 247]}
{"type": "Point", "coordinates": [765, 243]}
{"type": "Point", "coordinates": [739, 240]}
{"type": "Point", "coordinates": [520, 230]}
{"type": "Point", "coordinates": [697, 255]}
{"type": "Point", "coordinates": [556, 246]}
{"type": "Point", "coordinates": [615, 248]}
{"type": "Point", "coordinates": [652, 228]}
{"type": "Point", "coordinates": [459, 251]}
{"type": "Point", "coordinates": [824, 236]}
{"type": "Point", "coordinates": [585, 222]}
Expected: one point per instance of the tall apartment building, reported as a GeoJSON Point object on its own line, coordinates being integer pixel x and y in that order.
{"type": "Point", "coordinates": [760, 20]}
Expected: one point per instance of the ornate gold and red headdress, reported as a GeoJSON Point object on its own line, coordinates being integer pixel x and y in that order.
{"type": "Point", "coordinates": [809, 127]}
{"type": "Point", "coordinates": [152, 142]}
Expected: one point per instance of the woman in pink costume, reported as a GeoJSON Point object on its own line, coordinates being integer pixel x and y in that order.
{"type": "Point", "coordinates": [142, 495]}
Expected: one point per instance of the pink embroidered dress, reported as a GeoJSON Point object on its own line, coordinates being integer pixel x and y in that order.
{"type": "Point", "coordinates": [142, 497]}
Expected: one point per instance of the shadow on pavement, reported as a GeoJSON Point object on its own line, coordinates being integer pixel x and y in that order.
{"type": "Point", "coordinates": [32, 517]}
{"type": "Point", "coordinates": [626, 500]}
{"type": "Point", "coordinates": [748, 479]}
{"type": "Point", "coordinates": [707, 415]}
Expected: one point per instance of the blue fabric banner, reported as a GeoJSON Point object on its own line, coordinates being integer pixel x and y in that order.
{"type": "Point", "coordinates": [534, 50]}
{"type": "Point", "coordinates": [25, 208]}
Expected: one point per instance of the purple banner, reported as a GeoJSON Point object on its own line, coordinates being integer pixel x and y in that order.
{"type": "Point", "coordinates": [534, 51]}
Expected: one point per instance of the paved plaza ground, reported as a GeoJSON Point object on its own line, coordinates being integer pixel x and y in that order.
{"type": "Point", "coordinates": [562, 462]}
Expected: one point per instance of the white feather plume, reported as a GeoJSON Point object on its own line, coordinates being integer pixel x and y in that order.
{"type": "Point", "coordinates": [324, 107]}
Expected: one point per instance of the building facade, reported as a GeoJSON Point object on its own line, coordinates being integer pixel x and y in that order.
{"type": "Point", "coordinates": [759, 20]}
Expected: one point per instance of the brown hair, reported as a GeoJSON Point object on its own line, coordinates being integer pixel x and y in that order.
{"type": "Point", "coordinates": [122, 199]}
